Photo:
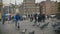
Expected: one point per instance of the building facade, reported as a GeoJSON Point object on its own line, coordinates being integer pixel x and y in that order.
{"type": "Point", "coordinates": [48, 7]}
{"type": "Point", "coordinates": [9, 8]}
{"type": "Point", "coordinates": [44, 7]}
{"type": "Point", "coordinates": [29, 7]}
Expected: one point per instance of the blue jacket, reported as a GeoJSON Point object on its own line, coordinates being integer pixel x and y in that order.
{"type": "Point", "coordinates": [17, 17]}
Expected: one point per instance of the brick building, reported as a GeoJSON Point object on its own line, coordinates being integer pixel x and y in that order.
{"type": "Point", "coordinates": [29, 7]}
{"type": "Point", "coordinates": [48, 7]}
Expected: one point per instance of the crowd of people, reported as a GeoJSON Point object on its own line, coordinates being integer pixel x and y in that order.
{"type": "Point", "coordinates": [17, 18]}
{"type": "Point", "coordinates": [38, 18]}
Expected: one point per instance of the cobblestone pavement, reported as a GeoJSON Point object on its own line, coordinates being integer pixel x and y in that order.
{"type": "Point", "coordinates": [9, 27]}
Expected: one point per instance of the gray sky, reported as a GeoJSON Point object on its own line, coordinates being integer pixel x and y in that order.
{"type": "Point", "coordinates": [20, 1]}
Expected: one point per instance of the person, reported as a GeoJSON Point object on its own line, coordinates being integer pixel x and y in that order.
{"type": "Point", "coordinates": [39, 18]}
{"type": "Point", "coordinates": [31, 18]}
{"type": "Point", "coordinates": [28, 16]}
{"type": "Point", "coordinates": [43, 17]}
{"type": "Point", "coordinates": [3, 18]}
{"type": "Point", "coordinates": [35, 17]}
{"type": "Point", "coordinates": [48, 17]}
{"type": "Point", "coordinates": [17, 19]}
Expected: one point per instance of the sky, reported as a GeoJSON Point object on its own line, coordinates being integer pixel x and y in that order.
{"type": "Point", "coordinates": [20, 1]}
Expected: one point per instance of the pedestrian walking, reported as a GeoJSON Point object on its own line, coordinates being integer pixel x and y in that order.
{"type": "Point", "coordinates": [48, 17]}
{"type": "Point", "coordinates": [35, 17]}
{"type": "Point", "coordinates": [43, 17]}
{"type": "Point", "coordinates": [31, 18]}
{"type": "Point", "coordinates": [14, 20]}
{"type": "Point", "coordinates": [39, 20]}
{"type": "Point", "coordinates": [3, 18]}
{"type": "Point", "coordinates": [17, 20]}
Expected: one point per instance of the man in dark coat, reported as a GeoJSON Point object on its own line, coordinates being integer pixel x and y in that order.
{"type": "Point", "coordinates": [39, 18]}
{"type": "Point", "coordinates": [43, 17]}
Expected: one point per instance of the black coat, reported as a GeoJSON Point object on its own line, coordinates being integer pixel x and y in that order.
{"type": "Point", "coordinates": [39, 18]}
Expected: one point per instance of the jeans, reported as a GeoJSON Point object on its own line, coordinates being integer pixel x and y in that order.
{"type": "Point", "coordinates": [17, 23]}
{"type": "Point", "coordinates": [3, 21]}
